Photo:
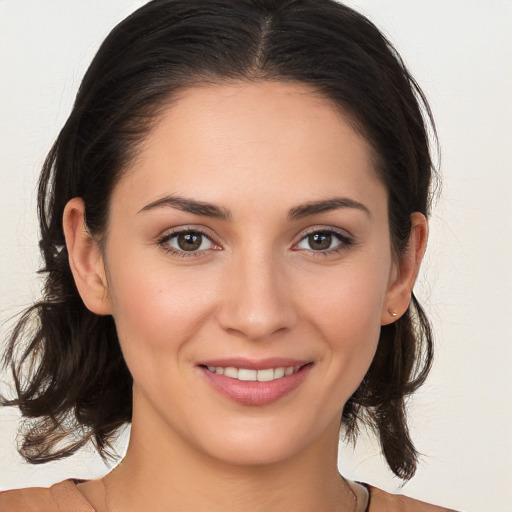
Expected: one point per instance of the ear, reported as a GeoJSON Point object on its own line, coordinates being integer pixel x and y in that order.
{"type": "Point", "coordinates": [85, 259]}
{"type": "Point", "coordinates": [405, 271]}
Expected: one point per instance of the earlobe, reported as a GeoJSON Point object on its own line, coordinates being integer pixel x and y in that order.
{"type": "Point", "coordinates": [85, 259]}
{"type": "Point", "coordinates": [399, 292]}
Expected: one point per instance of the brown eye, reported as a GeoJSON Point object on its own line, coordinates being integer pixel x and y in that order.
{"type": "Point", "coordinates": [189, 241]}
{"type": "Point", "coordinates": [320, 241]}
{"type": "Point", "coordinates": [324, 241]}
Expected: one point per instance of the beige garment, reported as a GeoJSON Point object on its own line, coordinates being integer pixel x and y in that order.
{"type": "Point", "coordinates": [65, 497]}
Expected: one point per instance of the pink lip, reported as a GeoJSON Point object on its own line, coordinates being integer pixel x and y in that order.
{"type": "Point", "coordinates": [253, 364]}
{"type": "Point", "coordinates": [254, 392]}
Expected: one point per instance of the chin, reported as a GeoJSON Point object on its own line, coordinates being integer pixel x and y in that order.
{"type": "Point", "coordinates": [254, 453]}
{"type": "Point", "coordinates": [265, 442]}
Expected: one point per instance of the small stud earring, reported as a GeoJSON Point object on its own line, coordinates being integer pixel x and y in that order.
{"type": "Point", "coordinates": [392, 313]}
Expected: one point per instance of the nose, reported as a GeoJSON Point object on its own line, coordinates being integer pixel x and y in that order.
{"type": "Point", "coordinates": [257, 301]}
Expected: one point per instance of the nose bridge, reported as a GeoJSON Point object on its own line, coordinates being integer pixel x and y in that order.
{"type": "Point", "coordinates": [256, 304]}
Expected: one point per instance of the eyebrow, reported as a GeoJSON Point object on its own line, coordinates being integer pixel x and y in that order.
{"type": "Point", "coordinates": [210, 210]}
{"type": "Point", "coordinates": [326, 205]}
{"type": "Point", "coordinates": [191, 206]}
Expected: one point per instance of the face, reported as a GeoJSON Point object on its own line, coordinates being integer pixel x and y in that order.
{"type": "Point", "coordinates": [248, 240]}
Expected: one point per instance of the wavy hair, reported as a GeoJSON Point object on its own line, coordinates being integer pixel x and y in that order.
{"type": "Point", "coordinates": [70, 378]}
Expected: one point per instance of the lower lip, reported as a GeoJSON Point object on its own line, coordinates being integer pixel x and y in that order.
{"type": "Point", "coordinates": [255, 392]}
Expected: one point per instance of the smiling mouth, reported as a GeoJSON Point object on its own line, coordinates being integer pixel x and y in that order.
{"type": "Point", "coordinates": [256, 386]}
{"type": "Point", "coordinates": [248, 375]}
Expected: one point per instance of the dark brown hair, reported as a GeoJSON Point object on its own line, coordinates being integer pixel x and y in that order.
{"type": "Point", "coordinates": [70, 376]}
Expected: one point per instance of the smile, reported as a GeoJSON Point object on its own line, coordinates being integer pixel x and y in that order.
{"type": "Point", "coordinates": [245, 374]}
{"type": "Point", "coordinates": [255, 383]}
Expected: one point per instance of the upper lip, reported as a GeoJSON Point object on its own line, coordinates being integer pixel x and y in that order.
{"type": "Point", "coordinates": [255, 364]}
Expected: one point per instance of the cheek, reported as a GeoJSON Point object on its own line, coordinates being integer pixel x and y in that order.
{"type": "Point", "coordinates": [349, 300]}
{"type": "Point", "coordinates": [156, 310]}
{"type": "Point", "coordinates": [346, 311]}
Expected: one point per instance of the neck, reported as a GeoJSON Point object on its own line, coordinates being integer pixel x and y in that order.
{"type": "Point", "coordinates": [161, 472]}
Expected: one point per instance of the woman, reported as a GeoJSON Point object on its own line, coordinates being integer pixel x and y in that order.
{"type": "Point", "coordinates": [232, 218]}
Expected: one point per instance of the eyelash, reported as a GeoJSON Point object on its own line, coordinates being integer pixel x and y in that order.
{"type": "Point", "coordinates": [345, 242]}
{"type": "Point", "coordinates": [164, 240]}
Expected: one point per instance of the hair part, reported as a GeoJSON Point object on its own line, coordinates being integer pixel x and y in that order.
{"type": "Point", "coordinates": [72, 372]}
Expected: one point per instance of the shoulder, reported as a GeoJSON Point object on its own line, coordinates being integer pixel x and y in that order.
{"type": "Point", "coordinates": [60, 497]}
{"type": "Point", "coordinates": [381, 501]}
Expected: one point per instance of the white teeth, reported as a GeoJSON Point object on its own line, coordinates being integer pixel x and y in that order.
{"type": "Point", "coordinates": [266, 375]}
{"type": "Point", "coordinates": [231, 372]}
{"type": "Point", "coordinates": [279, 372]}
{"type": "Point", "coordinates": [245, 374]}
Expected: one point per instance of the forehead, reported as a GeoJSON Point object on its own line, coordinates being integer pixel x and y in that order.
{"type": "Point", "coordinates": [270, 142]}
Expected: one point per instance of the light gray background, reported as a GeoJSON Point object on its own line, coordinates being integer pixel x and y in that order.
{"type": "Point", "coordinates": [460, 52]}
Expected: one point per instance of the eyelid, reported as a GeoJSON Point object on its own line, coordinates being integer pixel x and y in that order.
{"type": "Point", "coordinates": [346, 238]}
{"type": "Point", "coordinates": [184, 228]}
{"type": "Point", "coordinates": [325, 229]}
{"type": "Point", "coordinates": [168, 234]}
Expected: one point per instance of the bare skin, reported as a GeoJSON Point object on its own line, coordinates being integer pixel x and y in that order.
{"type": "Point", "coordinates": [257, 285]}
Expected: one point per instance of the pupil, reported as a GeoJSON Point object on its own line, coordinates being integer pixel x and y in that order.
{"type": "Point", "coordinates": [189, 241]}
{"type": "Point", "coordinates": [320, 241]}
